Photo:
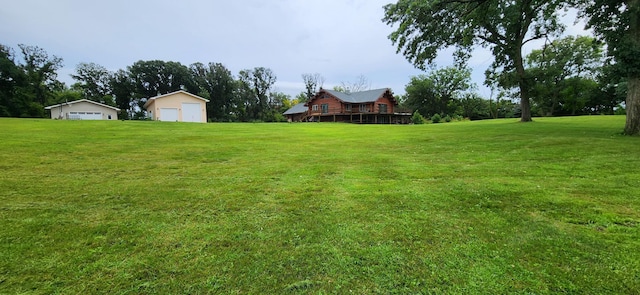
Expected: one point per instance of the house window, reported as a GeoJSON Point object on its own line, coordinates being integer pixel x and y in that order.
{"type": "Point", "coordinates": [314, 107]}
{"type": "Point", "coordinates": [383, 108]}
{"type": "Point", "coordinates": [325, 108]}
{"type": "Point", "coordinates": [364, 108]}
{"type": "Point", "coordinates": [347, 107]}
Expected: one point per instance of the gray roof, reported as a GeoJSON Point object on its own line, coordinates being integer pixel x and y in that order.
{"type": "Point", "coordinates": [358, 97]}
{"type": "Point", "coordinates": [296, 109]}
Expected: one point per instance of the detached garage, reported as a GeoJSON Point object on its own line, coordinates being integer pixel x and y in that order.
{"type": "Point", "coordinates": [179, 106]}
{"type": "Point", "coordinates": [83, 109]}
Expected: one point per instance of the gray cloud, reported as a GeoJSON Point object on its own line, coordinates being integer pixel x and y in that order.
{"type": "Point", "coordinates": [338, 39]}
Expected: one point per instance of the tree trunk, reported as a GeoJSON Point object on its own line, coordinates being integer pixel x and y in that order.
{"type": "Point", "coordinates": [632, 126]}
{"type": "Point", "coordinates": [525, 104]}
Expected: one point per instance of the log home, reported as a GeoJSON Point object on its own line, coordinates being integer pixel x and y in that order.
{"type": "Point", "coordinates": [377, 106]}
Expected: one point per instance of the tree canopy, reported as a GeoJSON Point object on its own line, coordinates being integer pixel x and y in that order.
{"type": "Point", "coordinates": [564, 72]}
{"type": "Point", "coordinates": [618, 24]}
{"type": "Point", "coordinates": [424, 27]}
{"type": "Point", "coordinates": [434, 93]}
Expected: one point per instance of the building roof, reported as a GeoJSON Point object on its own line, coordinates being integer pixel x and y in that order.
{"type": "Point", "coordinates": [296, 109]}
{"type": "Point", "coordinates": [81, 100]}
{"type": "Point", "coordinates": [358, 97]}
{"type": "Point", "coordinates": [150, 100]}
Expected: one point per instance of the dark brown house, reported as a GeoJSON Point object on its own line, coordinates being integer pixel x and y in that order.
{"type": "Point", "coordinates": [377, 106]}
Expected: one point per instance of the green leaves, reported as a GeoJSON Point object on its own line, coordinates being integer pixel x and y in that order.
{"type": "Point", "coordinates": [425, 27]}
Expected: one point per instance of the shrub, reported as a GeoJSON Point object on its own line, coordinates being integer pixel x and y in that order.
{"type": "Point", "coordinates": [436, 118]}
{"type": "Point", "coordinates": [447, 119]}
{"type": "Point", "coordinates": [417, 118]}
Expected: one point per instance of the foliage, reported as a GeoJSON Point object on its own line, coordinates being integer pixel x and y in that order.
{"type": "Point", "coordinates": [436, 118]}
{"type": "Point", "coordinates": [94, 82]}
{"type": "Point", "coordinates": [416, 118]}
{"type": "Point", "coordinates": [312, 83]}
{"type": "Point", "coordinates": [27, 84]}
{"type": "Point", "coordinates": [618, 24]}
{"type": "Point", "coordinates": [12, 80]}
{"type": "Point", "coordinates": [503, 25]}
{"type": "Point", "coordinates": [218, 85]}
{"type": "Point", "coordinates": [447, 118]}
{"type": "Point", "coordinates": [256, 84]}
{"type": "Point", "coordinates": [564, 73]}
{"type": "Point", "coordinates": [156, 77]}
{"type": "Point", "coordinates": [434, 93]}
{"type": "Point", "coordinates": [123, 88]}
{"type": "Point", "coordinates": [218, 209]}
{"type": "Point", "coordinates": [474, 107]}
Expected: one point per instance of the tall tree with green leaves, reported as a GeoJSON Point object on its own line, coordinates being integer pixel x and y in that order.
{"type": "Point", "coordinates": [312, 83]}
{"type": "Point", "coordinates": [28, 84]}
{"type": "Point", "coordinates": [123, 89]}
{"type": "Point", "coordinates": [564, 70]}
{"type": "Point", "coordinates": [94, 82]}
{"type": "Point", "coordinates": [259, 81]}
{"type": "Point", "coordinates": [434, 93]}
{"type": "Point", "coordinates": [618, 24]}
{"type": "Point", "coordinates": [42, 77]}
{"type": "Point", "coordinates": [157, 77]}
{"type": "Point", "coordinates": [424, 27]}
{"type": "Point", "coordinates": [12, 79]}
{"type": "Point", "coordinates": [219, 86]}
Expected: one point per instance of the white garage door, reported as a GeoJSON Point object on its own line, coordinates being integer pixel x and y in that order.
{"type": "Point", "coordinates": [85, 115]}
{"type": "Point", "coordinates": [168, 115]}
{"type": "Point", "coordinates": [191, 112]}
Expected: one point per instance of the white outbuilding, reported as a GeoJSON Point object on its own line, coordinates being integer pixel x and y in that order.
{"type": "Point", "coordinates": [83, 109]}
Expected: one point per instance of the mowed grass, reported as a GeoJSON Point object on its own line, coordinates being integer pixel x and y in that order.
{"type": "Point", "coordinates": [488, 207]}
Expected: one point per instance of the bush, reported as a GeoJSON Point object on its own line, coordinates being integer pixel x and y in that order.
{"type": "Point", "coordinates": [417, 118]}
{"type": "Point", "coordinates": [436, 118]}
{"type": "Point", "coordinates": [447, 119]}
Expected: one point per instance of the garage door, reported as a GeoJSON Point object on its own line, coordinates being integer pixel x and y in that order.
{"type": "Point", "coordinates": [168, 115]}
{"type": "Point", "coordinates": [85, 115]}
{"type": "Point", "coordinates": [191, 112]}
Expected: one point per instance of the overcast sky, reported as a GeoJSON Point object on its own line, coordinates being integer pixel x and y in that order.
{"type": "Point", "coordinates": [339, 39]}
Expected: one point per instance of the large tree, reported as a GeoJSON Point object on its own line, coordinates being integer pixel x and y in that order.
{"type": "Point", "coordinates": [435, 93]}
{"type": "Point", "coordinates": [618, 23]}
{"type": "Point", "coordinates": [27, 84]}
{"type": "Point", "coordinates": [94, 82]}
{"type": "Point", "coordinates": [424, 27]}
{"type": "Point", "coordinates": [219, 86]}
{"type": "Point", "coordinates": [259, 82]}
{"type": "Point", "coordinates": [12, 79]}
{"type": "Point", "coordinates": [312, 83]}
{"type": "Point", "coordinates": [157, 77]}
{"type": "Point", "coordinates": [123, 88]}
{"type": "Point", "coordinates": [564, 71]}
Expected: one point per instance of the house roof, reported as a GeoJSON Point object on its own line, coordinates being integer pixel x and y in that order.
{"type": "Point", "coordinates": [358, 97]}
{"type": "Point", "coordinates": [296, 109]}
{"type": "Point", "coordinates": [81, 100]}
{"type": "Point", "coordinates": [150, 100]}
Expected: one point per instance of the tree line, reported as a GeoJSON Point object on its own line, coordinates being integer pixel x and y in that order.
{"type": "Point", "coordinates": [571, 76]}
{"type": "Point", "coordinates": [423, 27]}
{"type": "Point", "coordinates": [28, 83]}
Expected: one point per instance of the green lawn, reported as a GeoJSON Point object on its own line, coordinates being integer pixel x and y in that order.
{"type": "Point", "coordinates": [489, 207]}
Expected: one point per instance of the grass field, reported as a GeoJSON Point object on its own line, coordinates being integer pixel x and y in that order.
{"type": "Point", "coordinates": [488, 207]}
